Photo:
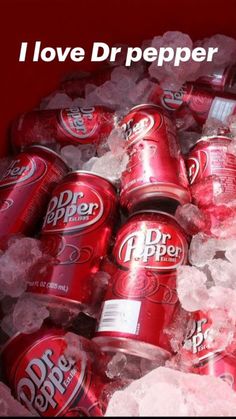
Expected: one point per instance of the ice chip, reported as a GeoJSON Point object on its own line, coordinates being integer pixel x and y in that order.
{"type": "Point", "coordinates": [222, 273]}
{"type": "Point", "coordinates": [9, 406]}
{"type": "Point", "coordinates": [202, 249]}
{"type": "Point", "coordinates": [167, 392]}
{"type": "Point", "coordinates": [57, 100]}
{"type": "Point", "coordinates": [72, 156]}
{"type": "Point", "coordinates": [192, 219]}
{"type": "Point", "coordinates": [116, 142]}
{"type": "Point", "coordinates": [116, 365]}
{"type": "Point", "coordinates": [110, 166]}
{"type": "Point", "coordinates": [169, 75]}
{"type": "Point", "coordinates": [191, 288]}
{"type": "Point", "coordinates": [29, 314]}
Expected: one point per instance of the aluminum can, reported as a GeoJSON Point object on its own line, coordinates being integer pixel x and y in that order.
{"type": "Point", "coordinates": [77, 233]}
{"type": "Point", "coordinates": [203, 352]}
{"type": "Point", "coordinates": [156, 171]}
{"type": "Point", "coordinates": [46, 381]}
{"type": "Point", "coordinates": [210, 158]}
{"type": "Point", "coordinates": [25, 187]}
{"type": "Point", "coordinates": [73, 126]}
{"type": "Point", "coordinates": [141, 300]}
{"type": "Point", "coordinates": [202, 103]}
{"type": "Point", "coordinates": [222, 79]}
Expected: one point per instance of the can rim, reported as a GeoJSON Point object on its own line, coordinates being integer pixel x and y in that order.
{"type": "Point", "coordinates": [9, 341]}
{"type": "Point", "coordinates": [152, 211]}
{"type": "Point", "coordinates": [48, 149]}
{"type": "Point", "coordinates": [209, 137]}
{"type": "Point", "coordinates": [87, 172]}
{"type": "Point", "coordinates": [142, 105]}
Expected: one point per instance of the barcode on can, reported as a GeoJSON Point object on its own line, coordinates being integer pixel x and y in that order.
{"type": "Point", "coordinates": [120, 316]}
{"type": "Point", "coordinates": [222, 108]}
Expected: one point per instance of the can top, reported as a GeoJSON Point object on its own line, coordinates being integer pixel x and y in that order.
{"type": "Point", "coordinates": [48, 150]}
{"type": "Point", "coordinates": [212, 137]}
{"type": "Point", "coordinates": [144, 211]}
{"type": "Point", "coordinates": [87, 172]}
{"type": "Point", "coordinates": [144, 105]}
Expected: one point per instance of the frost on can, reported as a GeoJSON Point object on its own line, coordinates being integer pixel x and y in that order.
{"type": "Point", "coordinates": [141, 300]}
{"type": "Point", "coordinates": [77, 232]}
{"type": "Point", "coordinates": [25, 187]}
{"type": "Point", "coordinates": [49, 383]}
{"type": "Point", "coordinates": [156, 171]}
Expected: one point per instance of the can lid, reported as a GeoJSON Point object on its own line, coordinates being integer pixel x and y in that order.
{"type": "Point", "coordinates": [144, 105]}
{"type": "Point", "coordinates": [212, 137]}
{"type": "Point", "coordinates": [48, 150]}
{"type": "Point", "coordinates": [144, 211]}
{"type": "Point", "coordinates": [87, 172]}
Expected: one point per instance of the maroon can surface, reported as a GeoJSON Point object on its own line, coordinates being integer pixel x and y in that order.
{"type": "Point", "coordinates": [156, 170]}
{"type": "Point", "coordinates": [141, 300]}
{"type": "Point", "coordinates": [63, 126]}
{"type": "Point", "coordinates": [25, 187]}
{"type": "Point", "coordinates": [202, 103]}
{"type": "Point", "coordinates": [222, 79]}
{"type": "Point", "coordinates": [77, 232]}
{"type": "Point", "coordinates": [210, 158]}
{"type": "Point", "coordinates": [46, 381]}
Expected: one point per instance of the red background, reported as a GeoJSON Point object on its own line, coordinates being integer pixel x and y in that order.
{"type": "Point", "coordinates": [80, 23]}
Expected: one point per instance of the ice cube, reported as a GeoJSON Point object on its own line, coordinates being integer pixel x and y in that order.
{"type": "Point", "coordinates": [214, 127]}
{"type": "Point", "coordinates": [167, 392]}
{"type": "Point", "coordinates": [110, 166]}
{"type": "Point", "coordinates": [9, 406]}
{"type": "Point", "coordinates": [29, 314]}
{"type": "Point", "coordinates": [16, 263]}
{"type": "Point", "coordinates": [191, 288]}
{"type": "Point", "coordinates": [168, 75]}
{"type": "Point", "coordinates": [72, 156]}
{"type": "Point", "coordinates": [116, 142]}
{"type": "Point", "coordinates": [202, 249]}
{"type": "Point", "coordinates": [192, 219]}
{"type": "Point", "coordinates": [116, 365]}
{"type": "Point", "coordinates": [222, 272]}
{"type": "Point", "coordinates": [57, 100]}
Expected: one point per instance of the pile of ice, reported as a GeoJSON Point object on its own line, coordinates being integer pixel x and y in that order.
{"type": "Point", "coordinates": [166, 392]}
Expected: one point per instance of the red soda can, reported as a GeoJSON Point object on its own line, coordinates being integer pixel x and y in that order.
{"type": "Point", "coordinates": [63, 126]}
{"type": "Point", "coordinates": [141, 299]}
{"type": "Point", "coordinates": [46, 381]}
{"type": "Point", "coordinates": [222, 79]}
{"type": "Point", "coordinates": [210, 158]}
{"type": "Point", "coordinates": [77, 232]}
{"type": "Point", "coordinates": [204, 353]}
{"type": "Point", "coordinates": [156, 171]}
{"type": "Point", "coordinates": [25, 187]}
{"type": "Point", "coordinates": [202, 103]}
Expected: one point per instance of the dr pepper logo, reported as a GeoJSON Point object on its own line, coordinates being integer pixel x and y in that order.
{"type": "Point", "coordinates": [197, 164]}
{"type": "Point", "coordinates": [152, 248]}
{"type": "Point", "coordinates": [22, 170]}
{"type": "Point", "coordinates": [138, 124]}
{"type": "Point", "coordinates": [46, 381]}
{"type": "Point", "coordinates": [79, 122]}
{"type": "Point", "coordinates": [72, 209]}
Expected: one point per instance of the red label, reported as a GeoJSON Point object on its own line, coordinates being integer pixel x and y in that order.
{"type": "Point", "coordinates": [138, 124]}
{"type": "Point", "coordinates": [79, 122]}
{"type": "Point", "coordinates": [73, 208]}
{"type": "Point", "coordinates": [156, 246]}
{"type": "Point", "coordinates": [23, 170]}
{"type": "Point", "coordinates": [47, 382]}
